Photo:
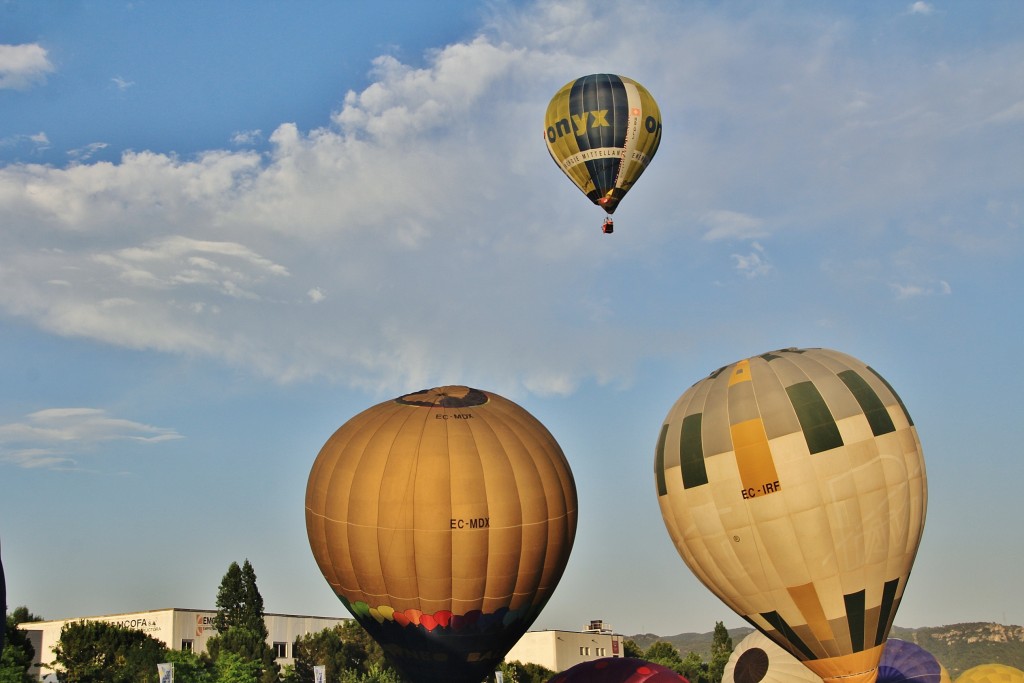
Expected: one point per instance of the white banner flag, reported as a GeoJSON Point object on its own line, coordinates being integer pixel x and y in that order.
{"type": "Point", "coordinates": [166, 672]}
{"type": "Point", "coordinates": [320, 674]}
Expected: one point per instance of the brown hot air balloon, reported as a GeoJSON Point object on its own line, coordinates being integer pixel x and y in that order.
{"type": "Point", "coordinates": [443, 520]}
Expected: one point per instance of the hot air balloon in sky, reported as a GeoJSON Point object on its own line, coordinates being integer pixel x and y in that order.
{"type": "Point", "coordinates": [992, 673]}
{"type": "Point", "coordinates": [443, 520]}
{"type": "Point", "coordinates": [757, 659]}
{"type": "Point", "coordinates": [903, 661]}
{"type": "Point", "coordinates": [793, 486]}
{"type": "Point", "coordinates": [618, 670]}
{"type": "Point", "coordinates": [602, 130]}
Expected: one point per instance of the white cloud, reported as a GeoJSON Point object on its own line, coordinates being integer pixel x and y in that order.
{"type": "Point", "coordinates": [724, 224]}
{"type": "Point", "coordinates": [453, 249]}
{"type": "Point", "coordinates": [48, 438]}
{"type": "Point", "coordinates": [921, 7]}
{"type": "Point", "coordinates": [87, 152]}
{"type": "Point", "coordinates": [38, 140]}
{"type": "Point", "coordinates": [247, 137]}
{"type": "Point", "coordinates": [1011, 114]}
{"type": "Point", "coordinates": [753, 264]}
{"type": "Point", "coordinates": [912, 290]}
{"type": "Point", "coordinates": [121, 83]}
{"type": "Point", "coordinates": [22, 66]}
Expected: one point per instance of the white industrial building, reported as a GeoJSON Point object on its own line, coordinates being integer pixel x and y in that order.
{"type": "Point", "coordinates": [179, 629]}
{"type": "Point", "coordinates": [190, 629]}
{"type": "Point", "coordinates": [559, 650]}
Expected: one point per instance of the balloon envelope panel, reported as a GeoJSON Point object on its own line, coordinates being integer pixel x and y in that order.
{"type": "Point", "coordinates": [756, 659]}
{"type": "Point", "coordinates": [793, 486]}
{"type": "Point", "coordinates": [603, 130]}
{"type": "Point", "coordinates": [617, 670]}
{"type": "Point", "coordinates": [992, 673]}
{"type": "Point", "coordinates": [904, 661]}
{"type": "Point", "coordinates": [443, 520]}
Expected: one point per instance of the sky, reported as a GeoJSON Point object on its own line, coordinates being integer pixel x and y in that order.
{"type": "Point", "coordinates": [227, 228]}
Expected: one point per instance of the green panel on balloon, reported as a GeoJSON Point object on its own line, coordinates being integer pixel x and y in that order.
{"type": "Point", "coordinates": [816, 420]}
{"type": "Point", "coordinates": [874, 409]}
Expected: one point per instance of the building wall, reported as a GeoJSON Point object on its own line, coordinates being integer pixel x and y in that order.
{"type": "Point", "coordinates": [179, 629]}
{"type": "Point", "coordinates": [559, 650]}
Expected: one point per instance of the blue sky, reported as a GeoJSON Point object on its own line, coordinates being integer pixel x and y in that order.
{"type": "Point", "coordinates": [226, 228]}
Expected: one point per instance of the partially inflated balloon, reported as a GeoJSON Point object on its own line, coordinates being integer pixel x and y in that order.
{"type": "Point", "coordinates": [992, 673]}
{"type": "Point", "coordinates": [443, 521]}
{"type": "Point", "coordinates": [602, 131]}
{"type": "Point", "coordinates": [618, 670]}
{"type": "Point", "coordinates": [793, 485]}
{"type": "Point", "coordinates": [903, 661]}
{"type": "Point", "coordinates": [756, 659]}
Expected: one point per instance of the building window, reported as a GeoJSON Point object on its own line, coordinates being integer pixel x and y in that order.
{"type": "Point", "coordinates": [585, 651]}
{"type": "Point", "coordinates": [280, 650]}
{"type": "Point", "coordinates": [186, 645]}
{"type": "Point", "coordinates": [599, 651]}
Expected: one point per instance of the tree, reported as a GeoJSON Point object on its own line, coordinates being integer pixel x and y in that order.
{"type": "Point", "coordinates": [695, 669]}
{"type": "Point", "coordinates": [342, 649]}
{"type": "Point", "coordinates": [190, 667]}
{"type": "Point", "coordinates": [233, 668]}
{"type": "Point", "coordinates": [631, 649]}
{"type": "Point", "coordinates": [665, 654]}
{"type": "Point", "coordinates": [229, 599]}
{"type": "Point", "coordinates": [377, 673]}
{"type": "Point", "coordinates": [98, 652]}
{"type": "Point", "coordinates": [241, 629]}
{"type": "Point", "coordinates": [517, 672]}
{"type": "Point", "coordinates": [18, 653]}
{"type": "Point", "coordinates": [721, 649]}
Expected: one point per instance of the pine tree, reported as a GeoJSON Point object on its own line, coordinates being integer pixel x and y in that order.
{"type": "Point", "coordinates": [229, 599]}
{"type": "Point", "coordinates": [241, 629]}
{"type": "Point", "coordinates": [252, 602]}
{"type": "Point", "coordinates": [721, 649]}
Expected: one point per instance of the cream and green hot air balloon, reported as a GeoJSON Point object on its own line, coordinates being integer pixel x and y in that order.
{"type": "Point", "coordinates": [757, 659]}
{"type": "Point", "coordinates": [793, 485]}
{"type": "Point", "coordinates": [992, 673]}
{"type": "Point", "coordinates": [443, 520]}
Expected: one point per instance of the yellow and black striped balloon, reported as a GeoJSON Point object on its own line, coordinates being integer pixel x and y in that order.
{"type": "Point", "coordinates": [793, 485]}
{"type": "Point", "coordinates": [603, 130]}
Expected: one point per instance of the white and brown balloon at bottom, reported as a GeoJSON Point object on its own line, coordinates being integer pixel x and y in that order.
{"type": "Point", "coordinates": [792, 484]}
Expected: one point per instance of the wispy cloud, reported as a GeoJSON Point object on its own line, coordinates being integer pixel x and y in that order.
{"type": "Point", "coordinates": [54, 437]}
{"type": "Point", "coordinates": [723, 224]}
{"type": "Point", "coordinates": [921, 7]}
{"type": "Point", "coordinates": [121, 83]}
{"type": "Point", "coordinates": [39, 141]}
{"type": "Point", "coordinates": [753, 264]}
{"type": "Point", "coordinates": [87, 152]}
{"type": "Point", "coordinates": [247, 137]}
{"type": "Point", "coordinates": [909, 290]}
{"type": "Point", "coordinates": [22, 66]}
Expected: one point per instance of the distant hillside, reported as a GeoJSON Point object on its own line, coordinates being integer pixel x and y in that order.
{"type": "Point", "coordinates": [958, 647]}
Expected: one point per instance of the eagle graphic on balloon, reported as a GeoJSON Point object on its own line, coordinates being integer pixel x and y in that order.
{"type": "Point", "coordinates": [792, 484]}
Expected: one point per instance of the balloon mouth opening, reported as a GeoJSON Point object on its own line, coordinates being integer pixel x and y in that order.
{"type": "Point", "coordinates": [445, 397]}
{"type": "Point", "coordinates": [609, 204]}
